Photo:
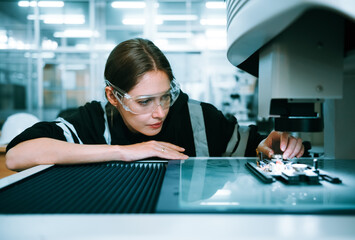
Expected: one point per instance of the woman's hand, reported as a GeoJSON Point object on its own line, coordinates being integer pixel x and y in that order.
{"type": "Point", "coordinates": [281, 143]}
{"type": "Point", "coordinates": [148, 149]}
{"type": "Point", "coordinates": [50, 151]}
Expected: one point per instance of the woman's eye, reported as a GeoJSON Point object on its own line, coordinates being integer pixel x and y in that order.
{"type": "Point", "coordinates": [165, 97]}
{"type": "Point", "coordinates": [144, 102]}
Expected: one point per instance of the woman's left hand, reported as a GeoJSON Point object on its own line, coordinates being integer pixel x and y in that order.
{"type": "Point", "coordinates": [281, 143]}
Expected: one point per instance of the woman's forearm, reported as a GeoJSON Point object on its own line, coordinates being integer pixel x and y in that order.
{"type": "Point", "coordinates": [51, 151]}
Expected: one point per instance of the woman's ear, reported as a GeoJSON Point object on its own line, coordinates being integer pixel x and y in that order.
{"type": "Point", "coordinates": [110, 97]}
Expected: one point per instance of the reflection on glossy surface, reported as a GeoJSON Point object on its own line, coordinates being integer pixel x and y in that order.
{"type": "Point", "coordinates": [226, 184]}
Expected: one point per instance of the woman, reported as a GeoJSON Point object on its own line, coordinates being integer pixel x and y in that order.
{"type": "Point", "coordinates": [146, 116]}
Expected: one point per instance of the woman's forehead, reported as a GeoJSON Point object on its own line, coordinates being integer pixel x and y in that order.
{"type": "Point", "coordinates": [150, 83]}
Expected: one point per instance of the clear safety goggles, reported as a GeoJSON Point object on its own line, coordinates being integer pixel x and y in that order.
{"type": "Point", "coordinates": [146, 103]}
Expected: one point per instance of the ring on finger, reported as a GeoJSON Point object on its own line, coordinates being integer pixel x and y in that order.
{"type": "Point", "coordinates": [163, 149]}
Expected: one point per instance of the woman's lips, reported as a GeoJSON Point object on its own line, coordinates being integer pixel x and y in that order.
{"type": "Point", "coordinates": [156, 125]}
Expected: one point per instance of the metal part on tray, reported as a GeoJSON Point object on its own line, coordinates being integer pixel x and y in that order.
{"type": "Point", "coordinates": [263, 176]}
{"type": "Point", "coordinates": [277, 157]}
{"type": "Point", "coordinates": [268, 170]}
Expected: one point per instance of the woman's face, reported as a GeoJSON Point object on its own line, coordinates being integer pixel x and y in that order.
{"type": "Point", "coordinates": [149, 124]}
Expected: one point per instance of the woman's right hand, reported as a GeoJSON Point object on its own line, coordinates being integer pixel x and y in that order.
{"type": "Point", "coordinates": [148, 149]}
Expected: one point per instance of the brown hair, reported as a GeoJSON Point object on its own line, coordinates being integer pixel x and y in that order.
{"type": "Point", "coordinates": [133, 58]}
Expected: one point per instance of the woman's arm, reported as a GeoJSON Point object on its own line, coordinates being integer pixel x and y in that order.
{"type": "Point", "coordinates": [51, 151]}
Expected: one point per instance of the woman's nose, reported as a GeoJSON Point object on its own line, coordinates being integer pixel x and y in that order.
{"type": "Point", "coordinates": [158, 112]}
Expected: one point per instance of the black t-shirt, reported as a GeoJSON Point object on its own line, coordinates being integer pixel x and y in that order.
{"type": "Point", "coordinates": [89, 123]}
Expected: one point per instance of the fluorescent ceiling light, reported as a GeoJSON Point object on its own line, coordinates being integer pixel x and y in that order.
{"type": "Point", "coordinates": [126, 4]}
{"type": "Point", "coordinates": [214, 22]}
{"type": "Point", "coordinates": [216, 33]}
{"type": "Point", "coordinates": [219, 5]}
{"type": "Point", "coordinates": [41, 4]}
{"type": "Point", "coordinates": [174, 35]}
{"type": "Point", "coordinates": [177, 17]}
{"type": "Point", "coordinates": [60, 19]}
{"type": "Point", "coordinates": [16, 44]}
{"type": "Point", "coordinates": [76, 33]}
{"type": "Point", "coordinates": [133, 21]}
{"type": "Point", "coordinates": [65, 19]}
{"type": "Point", "coordinates": [50, 4]}
{"type": "Point", "coordinates": [47, 55]}
{"type": "Point", "coordinates": [138, 21]}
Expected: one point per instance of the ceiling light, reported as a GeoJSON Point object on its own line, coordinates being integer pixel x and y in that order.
{"type": "Point", "coordinates": [133, 21]}
{"type": "Point", "coordinates": [47, 55]}
{"type": "Point", "coordinates": [60, 19]}
{"type": "Point", "coordinates": [49, 44]}
{"type": "Point", "coordinates": [64, 19]}
{"type": "Point", "coordinates": [177, 17]}
{"type": "Point", "coordinates": [213, 33]}
{"type": "Point", "coordinates": [27, 3]}
{"type": "Point", "coordinates": [50, 4]}
{"type": "Point", "coordinates": [214, 22]}
{"type": "Point", "coordinates": [174, 35]}
{"type": "Point", "coordinates": [219, 5]}
{"type": "Point", "coordinates": [138, 21]}
{"type": "Point", "coordinates": [41, 3]}
{"type": "Point", "coordinates": [126, 4]}
{"type": "Point", "coordinates": [76, 33]}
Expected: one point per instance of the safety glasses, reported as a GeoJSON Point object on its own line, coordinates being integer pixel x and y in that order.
{"type": "Point", "coordinates": [146, 103]}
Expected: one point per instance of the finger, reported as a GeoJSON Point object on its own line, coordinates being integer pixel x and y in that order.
{"type": "Point", "coordinates": [297, 148]}
{"type": "Point", "coordinates": [300, 154]}
{"type": "Point", "coordinates": [172, 146]}
{"type": "Point", "coordinates": [167, 153]}
{"type": "Point", "coordinates": [265, 149]}
{"type": "Point", "coordinates": [290, 147]}
{"type": "Point", "coordinates": [284, 139]}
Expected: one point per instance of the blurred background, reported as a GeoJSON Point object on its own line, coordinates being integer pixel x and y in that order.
{"type": "Point", "coordinates": [53, 53]}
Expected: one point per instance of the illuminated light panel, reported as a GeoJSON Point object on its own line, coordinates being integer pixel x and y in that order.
{"type": "Point", "coordinates": [213, 33]}
{"type": "Point", "coordinates": [49, 44]}
{"type": "Point", "coordinates": [47, 55]}
{"type": "Point", "coordinates": [41, 4]}
{"type": "Point", "coordinates": [60, 19]}
{"type": "Point", "coordinates": [126, 4]}
{"type": "Point", "coordinates": [177, 17]}
{"type": "Point", "coordinates": [72, 33]}
{"type": "Point", "coordinates": [133, 21]}
{"type": "Point", "coordinates": [214, 22]}
{"type": "Point", "coordinates": [138, 21]}
{"type": "Point", "coordinates": [215, 5]}
{"type": "Point", "coordinates": [174, 35]}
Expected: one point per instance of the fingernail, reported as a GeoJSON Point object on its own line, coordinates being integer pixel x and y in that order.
{"type": "Point", "coordinates": [270, 154]}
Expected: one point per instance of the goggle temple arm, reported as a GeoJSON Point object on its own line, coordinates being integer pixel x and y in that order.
{"type": "Point", "coordinates": [118, 95]}
{"type": "Point", "coordinates": [174, 90]}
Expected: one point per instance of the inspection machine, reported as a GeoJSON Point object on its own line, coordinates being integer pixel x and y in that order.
{"type": "Point", "coordinates": [303, 54]}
